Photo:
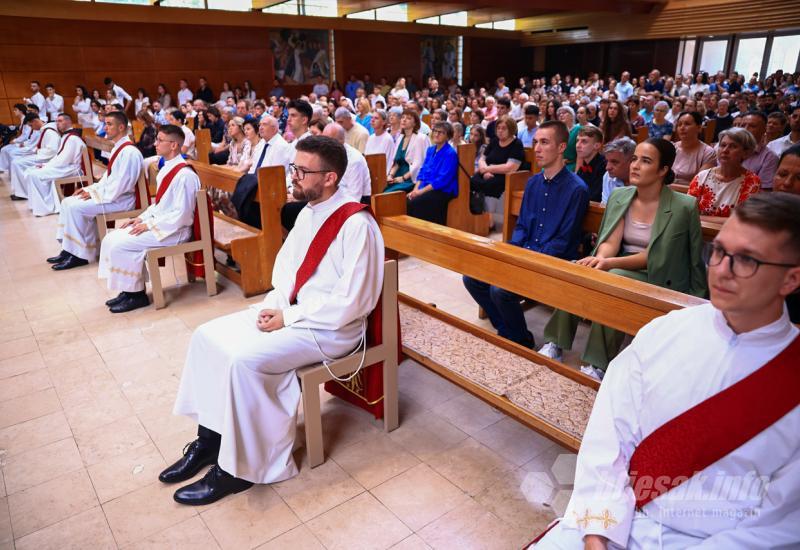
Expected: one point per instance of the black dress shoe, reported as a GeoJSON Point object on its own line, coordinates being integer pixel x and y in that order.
{"type": "Point", "coordinates": [60, 258]}
{"type": "Point", "coordinates": [16, 198]}
{"type": "Point", "coordinates": [196, 455]}
{"type": "Point", "coordinates": [69, 263]}
{"type": "Point", "coordinates": [133, 300]}
{"type": "Point", "coordinates": [216, 484]}
{"type": "Point", "coordinates": [114, 301]}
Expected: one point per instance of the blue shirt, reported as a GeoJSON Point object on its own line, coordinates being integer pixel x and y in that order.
{"type": "Point", "coordinates": [526, 136]}
{"type": "Point", "coordinates": [351, 87]}
{"type": "Point", "coordinates": [551, 215]}
{"type": "Point", "coordinates": [624, 91]}
{"type": "Point", "coordinates": [609, 184]}
{"type": "Point", "coordinates": [440, 169]}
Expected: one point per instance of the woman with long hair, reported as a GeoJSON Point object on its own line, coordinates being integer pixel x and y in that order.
{"type": "Point", "coordinates": [615, 124]}
{"type": "Point", "coordinates": [82, 105]}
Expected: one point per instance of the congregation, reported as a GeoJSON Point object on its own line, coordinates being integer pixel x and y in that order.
{"type": "Point", "coordinates": [662, 154]}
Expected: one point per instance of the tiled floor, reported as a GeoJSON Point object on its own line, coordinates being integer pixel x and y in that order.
{"type": "Point", "coordinates": [85, 427]}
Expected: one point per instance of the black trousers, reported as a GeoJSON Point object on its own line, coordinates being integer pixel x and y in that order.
{"type": "Point", "coordinates": [219, 158]}
{"type": "Point", "coordinates": [430, 206]}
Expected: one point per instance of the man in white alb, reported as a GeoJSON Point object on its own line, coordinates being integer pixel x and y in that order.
{"type": "Point", "coordinates": [39, 181]}
{"type": "Point", "coordinates": [694, 439]}
{"type": "Point", "coordinates": [56, 153]}
{"type": "Point", "coordinates": [45, 147]}
{"type": "Point", "coordinates": [239, 383]}
{"type": "Point", "coordinates": [115, 192]}
{"type": "Point", "coordinates": [26, 146]}
{"type": "Point", "coordinates": [167, 222]}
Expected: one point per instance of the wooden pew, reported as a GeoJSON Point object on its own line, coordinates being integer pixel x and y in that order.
{"type": "Point", "coordinates": [708, 131]}
{"type": "Point", "coordinates": [138, 128]}
{"type": "Point", "coordinates": [252, 248]}
{"type": "Point", "coordinates": [618, 302]}
{"type": "Point", "coordinates": [203, 144]}
{"type": "Point", "coordinates": [377, 172]}
{"type": "Point", "coordinates": [642, 133]}
{"type": "Point", "coordinates": [515, 189]}
{"type": "Point", "coordinates": [458, 214]}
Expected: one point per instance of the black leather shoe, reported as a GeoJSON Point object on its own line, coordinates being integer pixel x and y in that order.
{"type": "Point", "coordinates": [216, 484]}
{"type": "Point", "coordinates": [133, 300]}
{"type": "Point", "coordinates": [60, 258]}
{"type": "Point", "coordinates": [16, 198]}
{"type": "Point", "coordinates": [114, 301]}
{"type": "Point", "coordinates": [196, 455]}
{"type": "Point", "coordinates": [69, 263]}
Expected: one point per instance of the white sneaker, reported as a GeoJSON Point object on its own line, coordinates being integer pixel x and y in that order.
{"type": "Point", "coordinates": [552, 351]}
{"type": "Point", "coordinates": [594, 372]}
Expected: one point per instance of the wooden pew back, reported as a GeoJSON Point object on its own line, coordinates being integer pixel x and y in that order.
{"type": "Point", "coordinates": [458, 214]}
{"type": "Point", "coordinates": [377, 172]}
{"type": "Point", "coordinates": [203, 144]}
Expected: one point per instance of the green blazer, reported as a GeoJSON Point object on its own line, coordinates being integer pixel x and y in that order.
{"type": "Point", "coordinates": [675, 252]}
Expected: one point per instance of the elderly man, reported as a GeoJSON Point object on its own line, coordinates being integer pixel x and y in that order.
{"type": "Point", "coordinates": [38, 181]}
{"type": "Point", "coordinates": [165, 223]}
{"type": "Point", "coordinates": [618, 153]}
{"type": "Point", "coordinates": [239, 382]}
{"type": "Point", "coordinates": [115, 192]}
{"type": "Point", "coordinates": [692, 441]}
{"type": "Point", "coordinates": [763, 162]}
{"type": "Point", "coordinates": [356, 134]}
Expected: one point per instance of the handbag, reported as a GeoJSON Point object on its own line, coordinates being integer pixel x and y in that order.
{"type": "Point", "coordinates": [477, 199]}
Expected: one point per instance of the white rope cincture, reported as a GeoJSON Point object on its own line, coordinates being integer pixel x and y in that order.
{"type": "Point", "coordinates": [362, 346]}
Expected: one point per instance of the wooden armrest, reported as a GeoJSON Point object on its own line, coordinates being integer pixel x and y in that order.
{"type": "Point", "coordinates": [70, 180]}
{"type": "Point", "coordinates": [100, 219]}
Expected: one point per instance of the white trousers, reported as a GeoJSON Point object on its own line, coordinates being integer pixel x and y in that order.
{"type": "Point", "coordinates": [19, 166]}
{"type": "Point", "coordinates": [240, 382]}
{"type": "Point", "coordinates": [77, 230]}
{"type": "Point", "coordinates": [122, 256]}
{"type": "Point", "coordinates": [42, 195]}
{"type": "Point", "coordinates": [11, 152]}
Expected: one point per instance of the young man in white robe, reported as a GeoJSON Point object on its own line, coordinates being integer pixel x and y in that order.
{"type": "Point", "coordinates": [239, 383]}
{"type": "Point", "coordinates": [22, 146]}
{"type": "Point", "coordinates": [167, 222]}
{"type": "Point", "coordinates": [53, 103]}
{"type": "Point", "coordinates": [744, 498]}
{"type": "Point", "coordinates": [69, 160]}
{"type": "Point", "coordinates": [115, 192]}
{"type": "Point", "coordinates": [45, 149]}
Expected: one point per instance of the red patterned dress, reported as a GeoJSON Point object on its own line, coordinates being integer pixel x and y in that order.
{"type": "Point", "coordinates": [718, 198]}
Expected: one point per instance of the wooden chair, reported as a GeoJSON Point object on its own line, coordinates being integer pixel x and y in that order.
{"type": "Point", "coordinates": [76, 181]}
{"type": "Point", "coordinates": [204, 245]}
{"type": "Point", "coordinates": [103, 220]}
{"type": "Point", "coordinates": [203, 144]}
{"type": "Point", "coordinates": [311, 378]}
{"type": "Point", "coordinates": [642, 133]}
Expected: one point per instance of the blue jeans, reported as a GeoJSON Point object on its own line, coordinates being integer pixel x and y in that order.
{"type": "Point", "coordinates": [504, 310]}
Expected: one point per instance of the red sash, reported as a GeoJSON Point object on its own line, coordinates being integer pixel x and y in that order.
{"type": "Point", "coordinates": [111, 164]}
{"type": "Point", "coordinates": [41, 136]}
{"type": "Point", "coordinates": [714, 428]}
{"type": "Point", "coordinates": [194, 260]}
{"type": "Point", "coordinates": [64, 144]}
{"type": "Point", "coordinates": [366, 389]}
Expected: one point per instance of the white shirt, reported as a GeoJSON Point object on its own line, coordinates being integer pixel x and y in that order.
{"type": "Point", "coordinates": [384, 144]}
{"type": "Point", "coordinates": [778, 146]}
{"type": "Point", "coordinates": [123, 177]}
{"type": "Point", "coordinates": [38, 100]}
{"type": "Point", "coordinates": [188, 142]}
{"type": "Point", "coordinates": [51, 141]}
{"type": "Point", "coordinates": [184, 95]}
{"type": "Point", "coordinates": [357, 136]}
{"type": "Point", "coordinates": [279, 153]}
{"type": "Point", "coordinates": [175, 210]}
{"type": "Point", "coordinates": [121, 94]}
{"type": "Point", "coordinates": [141, 103]}
{"type": "Point", "coordinates": [674, 363]}
{"type": "Point", "coordinates": [356, 181]}
{"type": "Point", "coordinates": [82, 106]}
{"type": "Point", "coordinates": [71, 148]}
{"type": "Point", "coordinates": [53, 106]}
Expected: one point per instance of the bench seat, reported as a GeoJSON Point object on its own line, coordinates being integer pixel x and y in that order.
{"type": "Point", "coordinates": [227, 229]}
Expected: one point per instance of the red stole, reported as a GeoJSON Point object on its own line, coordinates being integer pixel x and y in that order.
{"type": "Point", "coordinates": [41, 136]}
{"type": "Point", "coordinates": [714, 428]}
{"type": "Point", "coordinates": [111, 165]}
{"type": "Point", "coordinates": [194, 260]}
{"type": "Point", "coordinates": [366, 389]}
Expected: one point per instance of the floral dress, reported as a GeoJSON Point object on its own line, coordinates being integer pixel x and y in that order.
{"type": "Point", "coordinates": [718, 198]}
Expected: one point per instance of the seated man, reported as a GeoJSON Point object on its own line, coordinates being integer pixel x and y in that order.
{"type": "Point", "coordinates": [38, 181]}
{"type": "Point", "coordinates": [167, 222]}
{"type": "Point", "coordinates": [702, 406]}
{"type": "Point", "coordinates": [115, 192]}
{"type": "Point", "coordinates": [239, 382]}
{"type": "Point", "coordinates": [762, 162]}
{"type": "Point", "coordinates": [437, 181]}
{"type": "Point", "coordinates": [549, 222]}
{"type": "Point", "coordinates": [45, 146]}
{"type": "Point", "coordinates": [591, 165]}
{"type": "Point", "coordinates": [355, 134]}
{"type": "Point", "coordinates": [618, 155]}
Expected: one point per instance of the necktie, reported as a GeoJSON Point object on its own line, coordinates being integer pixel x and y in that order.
{"type": "Point", "coordinates": [261, 158]}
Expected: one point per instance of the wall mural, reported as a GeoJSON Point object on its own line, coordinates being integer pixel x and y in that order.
{"type": "Point", "coordinates": [301, 55]}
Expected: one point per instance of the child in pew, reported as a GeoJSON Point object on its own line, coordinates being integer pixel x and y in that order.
{"type": "Point", "coordinates": [649, 233]}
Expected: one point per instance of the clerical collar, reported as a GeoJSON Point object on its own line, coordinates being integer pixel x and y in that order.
{"type": "Point", "coordinates": [119, 143]}
{"type": "Point", "coordinates": [335, 200]}
{"type": "Point", "coordinates": [776, 330]}
{"type": "Point", "coordinates": [169, 164]}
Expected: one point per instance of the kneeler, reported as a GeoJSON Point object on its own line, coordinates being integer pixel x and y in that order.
{"type": "Point", "coordinates": [714, 428]}
{"type": "Point", "coordinates": [365, 390]}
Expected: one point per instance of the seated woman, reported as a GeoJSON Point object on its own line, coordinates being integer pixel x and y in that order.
{"type": "Point", "coordinates": [692, 155]}
{"type": "Point", "coordinates": [720, 189]}
{"type": "Point", "coordinates": [147, 141]}
{"type": "Point", "coordinates": [408, 155]}
{"type": "Point", "coordinates": [615, 124]}
{"type": "Point", "coordinates": [363, 115]}
{"type": "Point", "coordinates": [244, 138]}
{"type": "Point", "coordinates": [660, 127]}
{"type": "Point", "coordinates": [567, 116]}
{"type": "Point", "coordinates": [437, 182]}
{"type": "Point", "coordinates": [503, 155]}
{"type": "Point", "coordinates": [477, 135]}
{"type": "Point", "coordinates": [649, 233]}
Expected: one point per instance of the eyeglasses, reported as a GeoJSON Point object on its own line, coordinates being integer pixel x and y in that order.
{"type": "Point", "coordinates": [741, 265]}
{"type": "Point", "coordinates": [159, 140]}
{"type": "Point", "coordinates": [299, 173]}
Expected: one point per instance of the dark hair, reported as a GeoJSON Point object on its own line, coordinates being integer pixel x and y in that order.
{"type": "Point", "coordinates": [331, 153]}
{"type": "Point", "coordinates": [759, 114]}
{"type": "Point", "coordinates": [793, 151]}
{"type": "Point", "coordinates": [107, 80]}
{"type": "Point", "coordinates": [214, 111]}
{"type": "Point", "coordinates": [178, 115]}
{"type": "Point", "coordinates": [532, 110]}
{"type": "Point", "coordinates": [504, 101]}
{"type": "Point", "coordinates": [172, 131]}
{"type": "Point", "coordinates": [479, 114]}
{"type": "Point", "coordinates": [35, 82]}
{"type": "Point", "coordinates": [84, 91]}
{"type": "Point", "coordinates": [319, 124]}
{"type": "Point", "coordinates": [49, 85]}
{"type": "Point", "coordinates": [21, 107]}
{"type": "Point", "coordinates": [66, 115]}
{"type": "Point", "coordinates": [32, 108]}
{"type": "Point", "coordinates": [144, 92]}
{"type": "Point", "coordinates": [303, 107]}
{"type": "Point", "coordinates": [695, 117]}
{"type": "Point", "coordinates": [95, 102]}
{"type": "Point", "coordinates": [263, 105]}
{"type": "Point", "coordinates": [415, 115]}
{"type": "Point", "coordinates": [30, 117]}
{"type": "Point", "coordinates": [445, 127]}
{"type": "Point", "coordinates": [666, 156]}
{"type": "Point", "coordinates": [559, 128]}
{"type": "Point", "coordinates": [119, 117]}
{"type": "Point", "coordinates": [251, 122]}
{"type": "Point", "coordinates": [774, 212]}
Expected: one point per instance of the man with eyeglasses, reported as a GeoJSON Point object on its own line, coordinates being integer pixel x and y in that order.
{"type": "Point", "coordinates": [693, 439]}
{"type": "Point", "coordinates": [167, 222]}
{"type": "Point", "coordinates": [239, 382]}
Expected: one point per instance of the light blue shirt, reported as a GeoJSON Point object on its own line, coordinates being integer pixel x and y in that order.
{"type": "Point", "coordinates": [609, 184]}
{"type": "Point", "coordinates": [526, 136]}
{"type": "Point", "coordinates": [624, 91]}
